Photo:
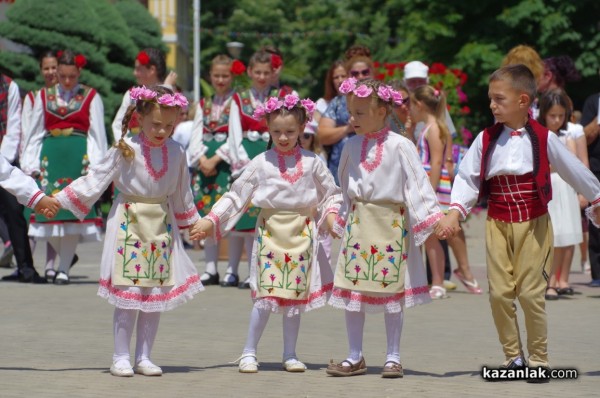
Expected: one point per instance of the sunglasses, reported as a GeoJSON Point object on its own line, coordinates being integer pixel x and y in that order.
{"type": "Point", "coordinates": [364, 72]}
{"type": "Point", "coordinates": [307, 136]}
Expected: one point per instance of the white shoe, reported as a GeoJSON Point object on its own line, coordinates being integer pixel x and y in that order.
{"type": "Point", "coordinates": [294, 365]}
{"type": "Point", "coordinates": [437, 292]}
{"type": "Point", "coordinates": [247, 363]}
{"type": "Point", "coordinates": [147, 368]}
{"type": "Point", "coordinates": [121, 370]}
{"type": "Point", "coordinates": [449, 285]}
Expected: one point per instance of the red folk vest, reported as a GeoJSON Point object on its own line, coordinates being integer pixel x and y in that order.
{"type": "Point", "coordinates": [541, 165]}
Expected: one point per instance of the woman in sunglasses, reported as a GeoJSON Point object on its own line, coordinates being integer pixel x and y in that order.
{"type": "Point", "coordinates": [334, 128]}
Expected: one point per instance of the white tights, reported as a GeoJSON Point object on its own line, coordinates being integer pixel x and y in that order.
{"type": "Point", "coordinates": [65, 247]}
{"type": "Point", "coordinates": [258, 322]}
{"type": "Point", "coordinates": [147, 326]}
{"type": "Point", "coordinates": [237, 242]}
{"type": "Point", "coordinates": [355, 323]}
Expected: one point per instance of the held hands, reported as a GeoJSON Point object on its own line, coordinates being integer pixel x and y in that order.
{"type": "Point", "coordinates": [207, 166]}
{"type": "Point", "coordinates": [448, 226]}
{"type": "Point", "coordinates": [47, 207]}
{"type": "Point", "coordinates": [201, 229]}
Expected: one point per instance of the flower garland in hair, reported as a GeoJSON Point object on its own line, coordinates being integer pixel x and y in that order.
{"type": "Point", "coordinates": [385, 93]}
{"type": "Point", "coordinates": [145, 94]}
{"type": "Point", "coordinates": [289, 101]}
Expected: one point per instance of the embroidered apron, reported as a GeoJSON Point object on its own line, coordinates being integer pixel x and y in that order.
{"type": "Point", "coordinates": [284, 251]}
{"type": "Point", "coordinates": [144, 244]}
{"type": "Point", "coordinates": [374, 249]}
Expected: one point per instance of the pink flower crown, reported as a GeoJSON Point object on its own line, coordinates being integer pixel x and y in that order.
{"type": "Point", "coordinates": [145, 94]}
{"type": "Point", "coordinates": [289, 101]}
{"type": "Point", "coordinates": [384, 92]}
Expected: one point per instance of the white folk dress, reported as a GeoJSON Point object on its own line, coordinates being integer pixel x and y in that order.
{"type": "Point", "coordinates": [290, 271]}
{"type": "Point", "coordinates": [564, 208]}
{"type": "Point", "coordinates": [158, 178]}
{"type": "Point", "coordinates": [383, 171]}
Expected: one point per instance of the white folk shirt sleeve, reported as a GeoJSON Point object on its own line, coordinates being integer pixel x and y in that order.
{"type": "Point", "coordinates": [234, 128]}
{"type": "Point", "coordinates": [465, 189]}
{"type": "Point", "coordinates": [26, 119]}
{"type": "Point", "coordinates": [117, 124]}
{"type": "Point", "coordinates": [12, 139]}
{"type": "Point", "coordinates": [182, 199]}
{"type": "Point", "coordinates": [18, 184]}
{"type": "Point", "coordinates": [238, 158]}
{"type": "Point", "coordinates": [79, 196]}
{"type": "Point", "coordinates": [197, 149]}
{"type": "Point", "coordinates": [96, 138]}
{"type": "Point", "coordinates": [330, 195]}
{"type": "Point", "coordinates": [343, 176]}
{"type": "Point", "coordinates": [30, 162]}
{"type": "Point", "coordinates": [231, 206]}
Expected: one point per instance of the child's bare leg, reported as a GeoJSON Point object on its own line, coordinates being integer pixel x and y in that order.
{"type": "Point", "coordinates": [435, 254]}
{"type": "Point", "coordinates": [565, 267]}
{"type": "Point", "coordinates": [459, 247]}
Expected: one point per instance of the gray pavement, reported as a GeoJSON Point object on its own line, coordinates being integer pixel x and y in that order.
{"type": "Point", "coordinates": [57, 342]}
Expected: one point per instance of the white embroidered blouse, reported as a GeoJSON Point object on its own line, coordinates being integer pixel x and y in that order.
{"type": "Point", "coordinates": [20, 185]}
{"type": "Point", "coordinates": [297, 179]}
{"type": "Point", "coordinates": [385, 168]}
{"type": "Point", "coordinates": [155, 172]}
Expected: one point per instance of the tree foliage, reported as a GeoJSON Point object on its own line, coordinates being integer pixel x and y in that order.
{"type": "Point", "coordinates": [471, 35]}
{"type": "Point", "coordinates": [108, 35]}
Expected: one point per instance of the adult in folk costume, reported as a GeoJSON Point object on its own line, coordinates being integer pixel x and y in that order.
{"type": "Point", "coordinates": [66, 137]}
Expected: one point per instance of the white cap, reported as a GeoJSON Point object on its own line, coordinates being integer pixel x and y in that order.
{"type": "Point", "coordinates": [415, 70]}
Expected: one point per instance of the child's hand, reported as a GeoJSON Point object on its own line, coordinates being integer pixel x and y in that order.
{"type": "Point", "coordinates": [201, 229]}
{"type": "Point", "coordinates": [47, 206]}
{"type": "Point", "coordinates": [448, 226]}
{"type": "Point", "coordinates": [597, 215]}
{"type": "Point", "coordinates": [330, 223]}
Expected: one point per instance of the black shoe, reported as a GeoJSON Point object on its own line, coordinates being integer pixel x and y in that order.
{"type": "Point", "coordinates": [26, 275]}
{"type": "Point", "coordinates": [208, 279]}
{"type": "Point", "coordinates": [14, 277]}
{"type": "Point", "coordinates": [551, 297]}
{"type": "Point", "coordinates": [540, 380]}
{"type": "Point", "coordinates": [74, 261]}
{"type": "Point", "coordinates": [245, 284]}
{"type": "Point", "coordinates": [230, 280]}
{"type": "Point", "coordinates": [61, 278]}
{"type": "Point", "coordinates": [512, 365]}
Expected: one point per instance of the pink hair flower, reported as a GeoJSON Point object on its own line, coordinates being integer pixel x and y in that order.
{"type": "Point", "coordinates": [290, 101]}
{"type": "Point", "coordinates": [259, 112]}
{"type": "Point", "coordinates": [396, 97]}
{"type": "Point", "coordinates": [384, 93]}
{"type": "Point", "coordinates": [272, 104]}
{"type": "Point", "coordinates": [142, 93]}
{"type": "Point", "coordinates": [309, 105]}
{"type": "Point", "coordinates": [180, 100]}
{"type": "Point", "coordinates": [363, 91]}
{"type": "Point", "coordinates": [348, 85]}
{"type": "Point", "coordinates": [166, 100]}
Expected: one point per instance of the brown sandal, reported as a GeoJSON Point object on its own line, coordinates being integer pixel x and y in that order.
{"type": "Point", "coordinates": [392, 370]}
{"type": "Point", "coordinates": [346, 368]}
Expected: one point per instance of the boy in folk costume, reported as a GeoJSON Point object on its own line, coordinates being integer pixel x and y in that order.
{"type": "Point", "coordinates": [511, 162]}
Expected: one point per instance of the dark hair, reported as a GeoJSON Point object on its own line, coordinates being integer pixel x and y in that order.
{"type": "Point", "coordinates": [260, 57]}
{"type": "Point", "coordinates": [563, 70]}
{"type": "Point", "coordinates": [298, 112]}
{"type": "Point", "coordinates": [47, 54]}
{"type": "Point", "coordinates": [519, 77]}
{"type": "Point", "coordinates": [555, 97]}
{"type": "Point", "coordinates": [273, 51]}
{"type": "Point", "coordinates": [67, 57]}
{"type": "Point", "coordinates": [157, 59]}
{"type": "Point", "coordinates": [330, 89]}
{"type": "Point", "coordinates": [142, 108]}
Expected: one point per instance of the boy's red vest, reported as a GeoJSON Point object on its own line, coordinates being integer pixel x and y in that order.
{"type": "Point", "coordinates": [541, 165]}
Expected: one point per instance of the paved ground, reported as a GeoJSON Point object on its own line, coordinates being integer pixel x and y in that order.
{"type": "Point", "coordinates": [57, 342]}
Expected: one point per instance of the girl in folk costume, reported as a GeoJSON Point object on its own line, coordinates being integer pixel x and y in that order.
{"type": "Point", "coordinates": [150, 69]}
{"type": "Point", "coordinates": [381, 224]}
{"type": "Point", "coordinates": [290, 272]}
{"type": "Point", "coordinates": [554, 112]}
{"type": "Point", "coordinates": [48, 66]}
{"type": "Point", "coordinates": [247, 141]}
{"type": "Point", "coordinates": [209, 157]}
{"type": "Point", "coordinates": [65, 138]}
{"type": "Point", "coordinates": [144, 268]}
